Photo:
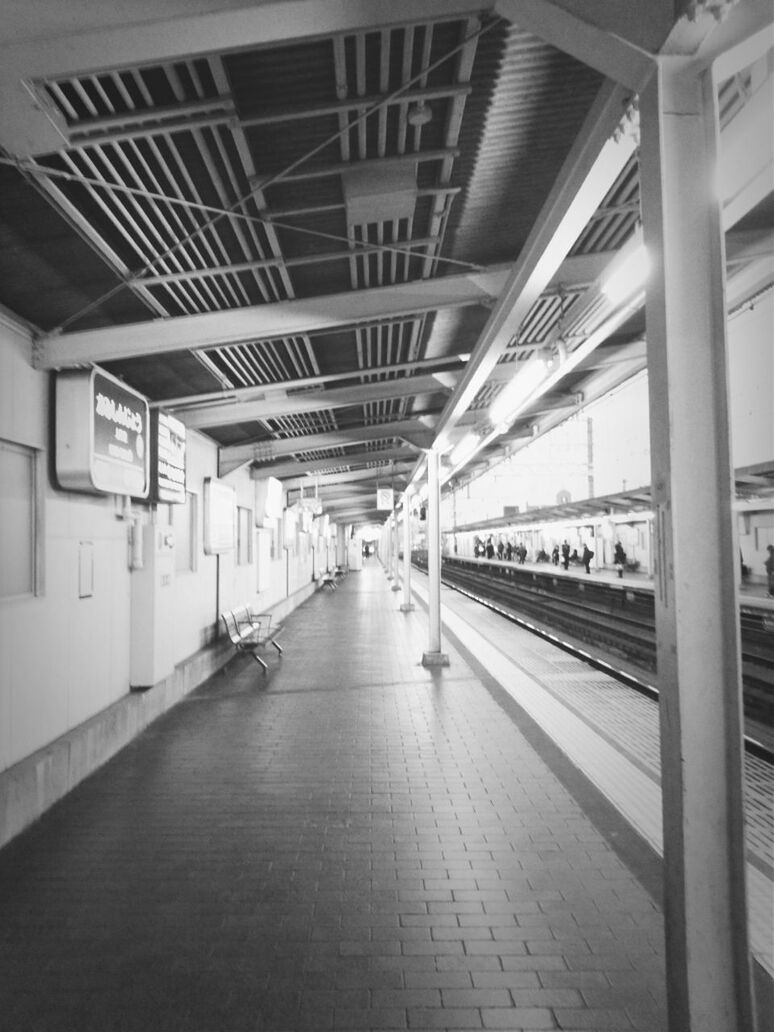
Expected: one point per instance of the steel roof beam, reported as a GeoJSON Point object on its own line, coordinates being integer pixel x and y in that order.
{"type": "Point", "coordinates": [259, 390]}
{"type": "Point", "coordinates": [358, 103]}
{"type": "Point", "coordinates": [411, 430]}
{"type": "Point", "coordinates": [413, 158]}
{"type": "Point", "coordinates": [609, 53]}
{"type": "Point", "coordinates": [389, 471]}
{"type": "Point", "coordinates": [276, 404]}
{"type": "Point", "coordinates": [295, 468]}
{"type": "Point", "coordinates": [273, 320]}
{"type": "Point", "coordinates": [269, 263]}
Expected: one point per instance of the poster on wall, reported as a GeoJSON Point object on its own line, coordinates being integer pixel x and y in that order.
{"type": "Point", "coordinates": [101, 434]}
{"type": "Point", "coordinates": [219, 516]}
{"type": "Point", "coordinates": [167, 459]}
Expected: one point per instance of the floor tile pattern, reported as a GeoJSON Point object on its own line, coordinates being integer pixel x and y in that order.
{"type": "Point", "coordinates": [353, 842]}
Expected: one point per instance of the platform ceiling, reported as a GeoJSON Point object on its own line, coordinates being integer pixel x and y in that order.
{"type": "Point", "coordinates": [327, 234]}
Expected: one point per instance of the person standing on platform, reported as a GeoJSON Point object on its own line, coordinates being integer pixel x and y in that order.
{"type": "Point", "coordinates": [566, 555]}
{"type": "Point", "coordinates": [769, 564]}
{"type": "Point", "coordinates": [555, 555]}
{"type": "Point", "coordinates": [490, 550]}
{"type": "Point", "coordinates": [619, 558]}
{"type": "Point", "coordinates": [588, 555]}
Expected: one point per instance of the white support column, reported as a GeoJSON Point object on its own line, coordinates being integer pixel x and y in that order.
{"type": "Point", "coordinates": [406, 605]}
{"type": "Point", "coordinates": [699, 671]}
{"type": "Point", "coordinates": [434, 656]}
{"type": "Point", "coordinates": [395, 551]}
{"type": "Point", "coordinates": [387, 542]}
{"type": "Point", "coordinates": [342, 533]}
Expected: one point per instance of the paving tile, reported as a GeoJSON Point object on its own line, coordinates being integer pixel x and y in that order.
{"type": "Point", "coordinates": [520, 1019]}
{"type": "Point", "coordinates": [354, 842]}
{"type": "Point", "coordinates": [595, 1018]}
{"type": "Point", "coordinates": [446, 1018]}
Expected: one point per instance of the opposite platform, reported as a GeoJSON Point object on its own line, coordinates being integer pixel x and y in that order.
{"type": "Point", "coordinates": [353, 842]}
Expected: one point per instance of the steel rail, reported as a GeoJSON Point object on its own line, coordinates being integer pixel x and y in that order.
{"type": "Point", "coordinates": [630, 678]}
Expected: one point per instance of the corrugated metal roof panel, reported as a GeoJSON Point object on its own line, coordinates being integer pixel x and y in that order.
{"type": "Point", "coordinates": [538, 104]}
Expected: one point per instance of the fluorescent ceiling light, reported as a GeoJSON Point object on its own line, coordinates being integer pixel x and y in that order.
{"type": "Point", "coordinates": [630, 276]}
{"type": "Point", "coordinates": [506, 404]}
{"type": "Point", "coordinates": [464, 449]}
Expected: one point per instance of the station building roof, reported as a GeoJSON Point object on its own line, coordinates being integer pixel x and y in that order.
{"type": "Point", "coordinates": [753, 484]}
{"type": "Point", "coordinates": [329, 234]}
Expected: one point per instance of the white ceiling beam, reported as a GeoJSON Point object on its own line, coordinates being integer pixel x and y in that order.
{"type": "Point", "coordinates": [330, 492]}
{"type": "Point", "coordinates": [276, 404]}
{"type": "Point", "coordinates": [282, 470]}
{"type": "Point", "coordinates": [268, 321]}
{"type": "Point", "coordinates": [267, 451]}
{"type": "Point", "coordinates": [646, 25]}
{"type": "Point", "coordinates": [611, 54]}
{"type": "Point", "coordinates": [388, 472]}
{"type": "Point", "coordinates": [181, 403]}
{"type": "Point", "coordinates": [56, 40]}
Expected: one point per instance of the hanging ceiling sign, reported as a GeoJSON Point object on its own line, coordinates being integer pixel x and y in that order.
{"type": "Point", "coordinates": [101, 434]}
{"type": "Point", "coordinates": [167, 458]}
{"type": "Point", "coordinates": [384, 498]}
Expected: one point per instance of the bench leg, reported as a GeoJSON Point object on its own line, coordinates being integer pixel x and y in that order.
{"type": "Point", "coordinates": [277, 646]}
{"type": "Point", "coordinates": [258, 659]}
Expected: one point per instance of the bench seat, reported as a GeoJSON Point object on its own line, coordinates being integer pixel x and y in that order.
{"type": "Point", "coordinates": [250, 631]}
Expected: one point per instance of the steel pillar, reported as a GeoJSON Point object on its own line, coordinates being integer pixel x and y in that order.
{"type": "Point", "coordinates": [395, 551]}
{"type": "Point", "coordinates": [407, 605]}
{"type": "Point", "coordinates": [434, 656]}
{"type": "Point", "coordinates": [699, 670]}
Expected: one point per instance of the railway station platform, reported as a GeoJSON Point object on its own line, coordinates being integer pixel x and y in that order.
{"type": "Point", "coordinates": [352, 842]}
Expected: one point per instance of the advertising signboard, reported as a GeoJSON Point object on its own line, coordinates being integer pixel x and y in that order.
{"type": "Point", "coordinates": [167, 458]}
{"type": "Point", "coordinates": [219, 516]}
{"type": "Point", "coordinates": [102, 434]}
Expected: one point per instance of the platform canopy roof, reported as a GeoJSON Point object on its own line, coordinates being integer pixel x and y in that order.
{"type": "Point", "coordinates": [329, 233]}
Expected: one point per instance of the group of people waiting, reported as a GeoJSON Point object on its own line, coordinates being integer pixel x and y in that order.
{"type": "Point", "coordinates": [517, 552]}
{"type": "Point", "coordinates": [568, 556]}
{"type": "Point", "coordinates": [506, 550]}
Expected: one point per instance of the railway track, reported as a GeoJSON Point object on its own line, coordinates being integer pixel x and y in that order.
{"type": "Point", "coordinates": [610, 627]}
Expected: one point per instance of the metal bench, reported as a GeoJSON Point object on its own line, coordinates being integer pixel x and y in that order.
{"type": "Point", "coordinates": [250, 631]}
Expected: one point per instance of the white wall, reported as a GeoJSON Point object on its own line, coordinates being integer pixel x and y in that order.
{"type": "Point", "coordinates": [195, 591]}
{"type": "Point", "coordinates": [63, 659]}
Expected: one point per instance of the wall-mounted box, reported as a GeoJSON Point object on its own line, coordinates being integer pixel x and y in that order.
{"type": "Point", "coordinates": [101, 434]}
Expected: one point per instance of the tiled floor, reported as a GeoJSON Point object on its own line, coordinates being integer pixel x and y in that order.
{"type": "Point", "coordinates": [354, 842]}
